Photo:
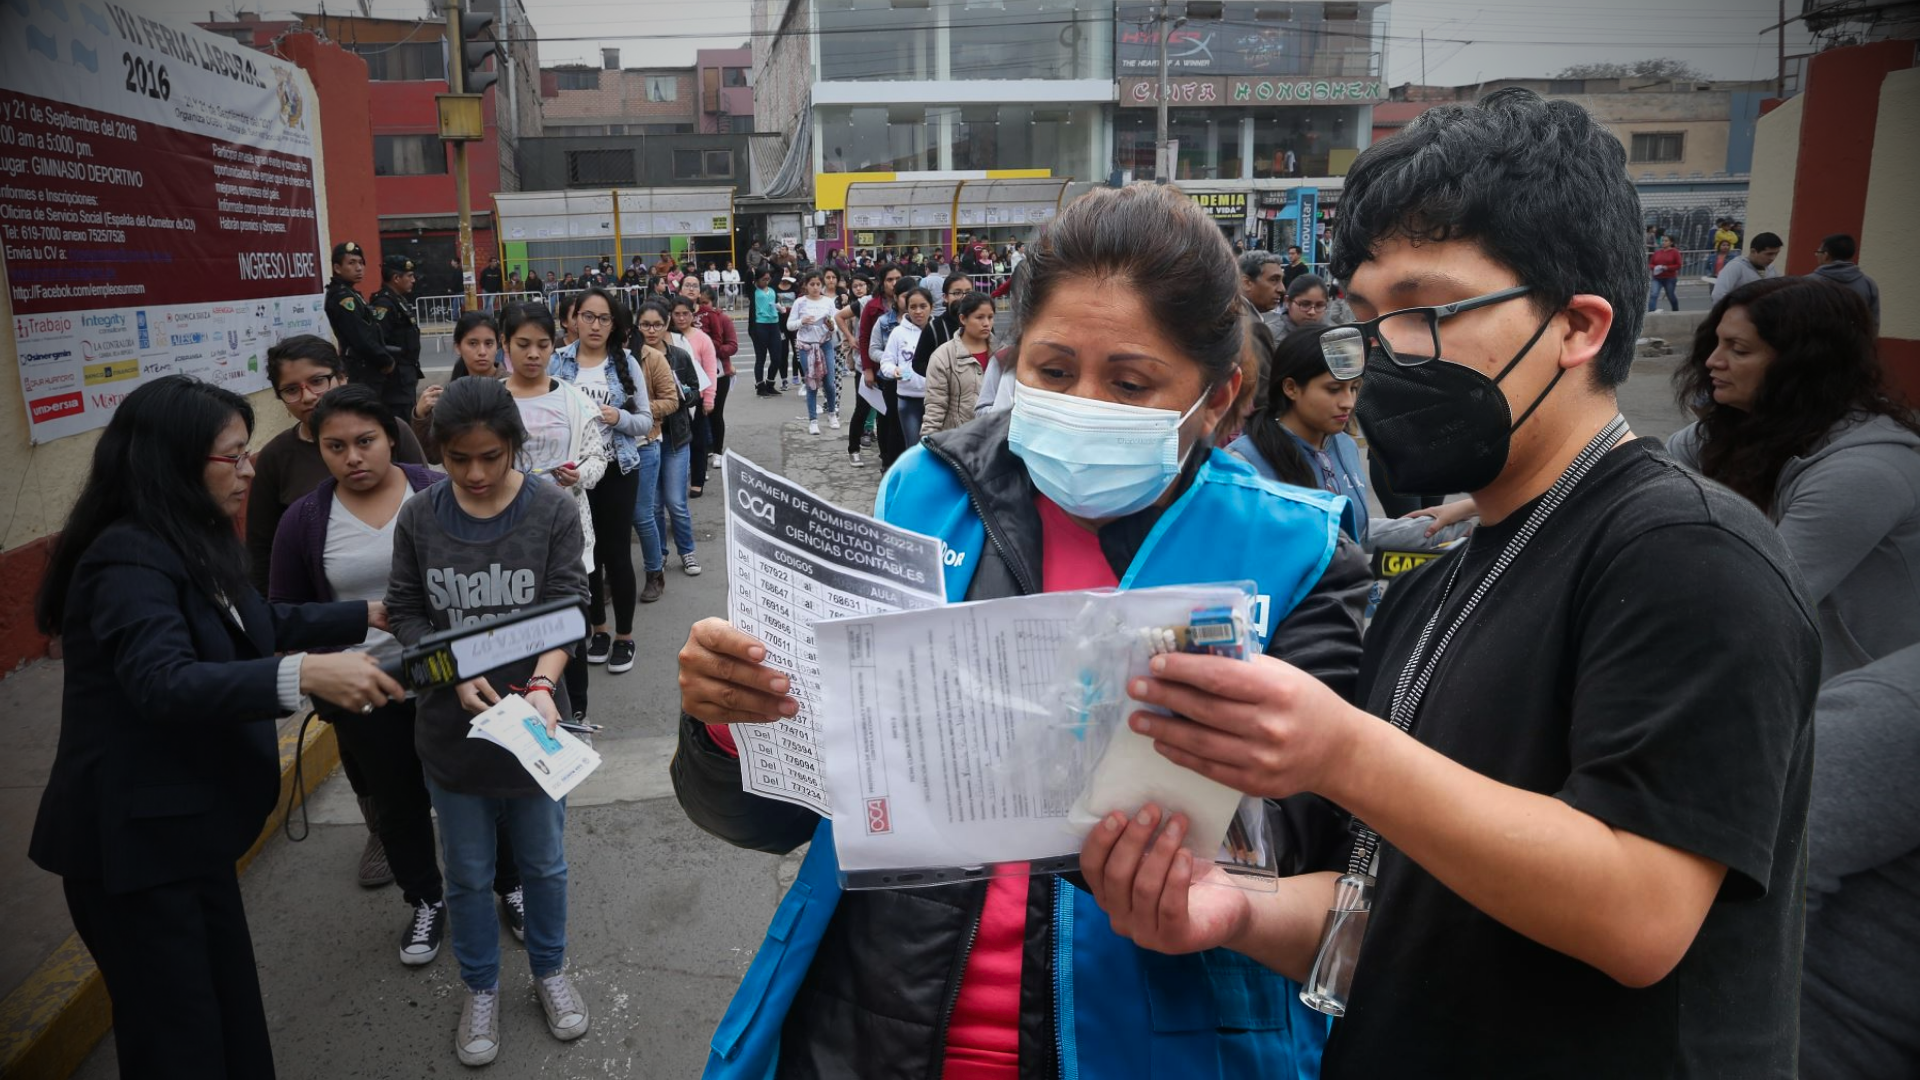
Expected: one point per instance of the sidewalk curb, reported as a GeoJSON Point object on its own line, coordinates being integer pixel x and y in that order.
{"type": "Point", "coordinates": [53, 1019]}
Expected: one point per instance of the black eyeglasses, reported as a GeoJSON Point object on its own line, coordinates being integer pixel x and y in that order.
{"type": "Point", "coordinates": [646, 324]}
{"type": "Point", "coordinates": [1410, 337]}
{"type": "Point", "coordinates": [317, 384]}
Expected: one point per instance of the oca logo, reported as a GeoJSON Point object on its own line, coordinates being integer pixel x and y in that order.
{"type": "Point", "coordinates": [878, 819]}
{"type": "Point", "coordinates": [755, 506]}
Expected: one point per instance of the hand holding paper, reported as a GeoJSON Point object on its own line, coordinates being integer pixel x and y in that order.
{"type": "Point", "coordinates": [556, 760]}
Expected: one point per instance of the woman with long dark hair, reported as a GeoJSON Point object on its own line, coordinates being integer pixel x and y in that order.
{"type": "Point", "coordinates": [610, 378]}
{"type": "Point", "coordinates": [1794, 413]}
{"type": "Point", "coordinates": [1298, 431]}
{"type": "Point", "coordinates": [490, 522]}
{"type": "Point", "coordinates": [168, 765]}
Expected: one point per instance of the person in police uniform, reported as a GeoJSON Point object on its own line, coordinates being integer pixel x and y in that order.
{"type": "Point", "coordinates": [400, 330]}
{"type": "Point", "coordinates": [354, 328]}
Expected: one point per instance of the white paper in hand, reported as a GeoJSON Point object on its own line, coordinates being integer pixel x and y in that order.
{"type": "Point", "coordinates": [557, 762]}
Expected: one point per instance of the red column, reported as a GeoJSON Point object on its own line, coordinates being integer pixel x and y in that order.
{"type": "Point", "coordinates": [1836, 144]}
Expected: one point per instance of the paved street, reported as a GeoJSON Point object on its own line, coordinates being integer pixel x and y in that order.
{"type": "Point", "coordinates": [663, 919]}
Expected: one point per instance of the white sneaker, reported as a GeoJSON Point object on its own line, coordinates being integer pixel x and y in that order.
{"type": "Point", "coordinates": [477, 1042]}
{"type": "Point", "coordinates": [813, 427]}
{"type": "Point", "coordinates": [835, 417]}
{"type": "Point", "coordinates": [566, 1013]}
{"type": "Point", "coordinates": [690, 564]}
{"type": "Point", "coordinates": [854, 459]}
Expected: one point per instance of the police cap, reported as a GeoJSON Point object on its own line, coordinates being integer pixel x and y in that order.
{"type": "Point", "coordinates": [346, 248]}
{"type": "Point", "coordinates": [395, 265]}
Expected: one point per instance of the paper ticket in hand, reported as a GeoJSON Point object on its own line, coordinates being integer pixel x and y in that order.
{"type": "Point", "coordinates": [557, 762]}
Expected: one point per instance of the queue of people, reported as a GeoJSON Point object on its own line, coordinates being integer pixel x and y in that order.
{"type": "Point", "coordinates": [1569, 766]}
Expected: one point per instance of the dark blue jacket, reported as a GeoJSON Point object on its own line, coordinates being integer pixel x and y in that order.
{"type": "Point", "coordinates": [168, 762]}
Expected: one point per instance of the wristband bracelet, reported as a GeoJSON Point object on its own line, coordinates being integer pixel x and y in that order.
{"type": "Point", "coordinates": [538, 682]}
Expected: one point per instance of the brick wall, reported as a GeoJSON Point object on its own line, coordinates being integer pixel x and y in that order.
{"type": "Point", "coordinates": [622, 99]}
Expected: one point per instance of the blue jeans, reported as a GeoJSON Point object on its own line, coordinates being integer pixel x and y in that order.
{"type": "Point", "coordinates": [671, 500]}
{"type": "Point", "coordinates": [831, 384]}
{"type": "Point", "coordinates": [536, 824]}
{"type": "Point", "coordinates": [643, 505]}
{"type": "Point", "coordinates": [912, 411]}
{"type": "Point", "coordinates": [1663, 284]}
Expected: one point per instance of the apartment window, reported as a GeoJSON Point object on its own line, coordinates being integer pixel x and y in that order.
{"type": "Point", "coordinates": [578, 80]}
{"type": "Point", "coordinates": [409, 155]}
{"type": "Point", "coordinates": [663, 88]}
{"type": "Point", "coordinates": [1654, 147]}
{"type": "Point", "coordinates": [703, 165]}
{"type": "Point", "coordinates": [733, 76]}
{"type": "Point", "coordinates": [596, 167]}
{"type": "Point", "coordinates": [413, 61]}
{"type": "Point", "coordinates": [661, 129]}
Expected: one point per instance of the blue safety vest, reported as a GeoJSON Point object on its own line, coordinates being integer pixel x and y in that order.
{"type": "Point", "coordinates": [1132, 1012]}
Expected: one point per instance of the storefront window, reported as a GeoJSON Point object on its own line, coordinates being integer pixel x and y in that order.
{"type": "Point", "coordinates": [1318, 140]}
{"type": "Point", "coordinates": [907, 138]}
{"type": "Point", "coordinates": [1005, 39]}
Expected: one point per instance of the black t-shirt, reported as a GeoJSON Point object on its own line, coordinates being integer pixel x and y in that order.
{"type": "Point", "coordinates": [1649, 660]}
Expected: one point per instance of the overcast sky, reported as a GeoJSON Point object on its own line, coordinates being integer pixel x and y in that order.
{"type": "Point", "coordinates": [1466, 40]}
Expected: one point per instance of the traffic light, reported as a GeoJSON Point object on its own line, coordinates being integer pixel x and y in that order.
{"type": "Point", "coordinates": [476, 43]}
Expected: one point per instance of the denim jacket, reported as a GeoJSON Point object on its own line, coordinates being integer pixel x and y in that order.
{"type": "Point", "coordinates": [623, 437]}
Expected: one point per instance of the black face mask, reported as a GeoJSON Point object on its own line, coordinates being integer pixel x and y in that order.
{"type": "Point", "coordinates": [1440, 427]}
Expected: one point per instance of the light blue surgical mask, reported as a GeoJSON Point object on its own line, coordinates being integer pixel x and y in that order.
{"type": "Point", "coordinates": [1096, 459]}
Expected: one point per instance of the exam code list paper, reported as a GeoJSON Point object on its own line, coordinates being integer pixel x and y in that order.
{"type": "Point", "coordinates": [793, 559]}
{"type": "Point", "coordinates": [959, 739]}
{"type": "Point", "coordinates": [951, 712]}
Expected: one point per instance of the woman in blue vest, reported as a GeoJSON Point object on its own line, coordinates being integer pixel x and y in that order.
{"type": "Point", "coordinates": [1098, 474]}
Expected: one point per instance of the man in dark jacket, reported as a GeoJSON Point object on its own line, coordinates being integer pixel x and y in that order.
{"type": "Point", "coordinates": [1836, 254]}
{"type": "Point", "coordinates": [392, 309]}
{"type": "Point", "coordinates": [355, 330]}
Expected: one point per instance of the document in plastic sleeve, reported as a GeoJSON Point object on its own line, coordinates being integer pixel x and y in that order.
{"type": "Point", "coordinates": [792, 559]}
{"type": "Point", "coordinates": [557, 761]}
{"type": "Point", "coordinates": [955, 747]}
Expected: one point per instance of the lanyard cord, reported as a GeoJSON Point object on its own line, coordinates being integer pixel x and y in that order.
{"type": "Point", "coordinates": [1411, 687]}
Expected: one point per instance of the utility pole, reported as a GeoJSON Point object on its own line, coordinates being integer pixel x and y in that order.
{"type": "Point", "coordinates": [462, 192]}
{"type": "Point", "coordinates": [1162, 167]}
{"type": "Point", "coordinates": [1780, 72]}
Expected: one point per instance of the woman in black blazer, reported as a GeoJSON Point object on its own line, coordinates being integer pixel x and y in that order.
{"type": "Point", "coordinates": [168, 762]}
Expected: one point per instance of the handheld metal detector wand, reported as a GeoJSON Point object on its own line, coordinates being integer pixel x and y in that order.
{"type": "Point", "coordinates": [465, 652]}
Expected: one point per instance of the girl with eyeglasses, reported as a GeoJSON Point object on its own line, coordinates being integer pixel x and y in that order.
{"type": "Point", "coordinates": [301, 370]}
{"type": "Point", "coordinates": [611, 379]}
{"type": "Point", "coordinates": [1305, 305]}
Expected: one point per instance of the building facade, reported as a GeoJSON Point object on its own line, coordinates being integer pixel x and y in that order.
{"type": "Point", "coordinates": [578, 100]}
{"type": "Point", "coordinates": [1267, 95]}
{"type": "Point", "coordinates": [724, 78]}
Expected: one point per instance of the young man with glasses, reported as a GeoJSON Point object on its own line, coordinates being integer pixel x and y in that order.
{"type": "Point", "coordinates": [1582, 851]}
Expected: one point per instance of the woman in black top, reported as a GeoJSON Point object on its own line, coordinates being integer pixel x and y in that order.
{"type": "Point", "coordinates": [168, 763]}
